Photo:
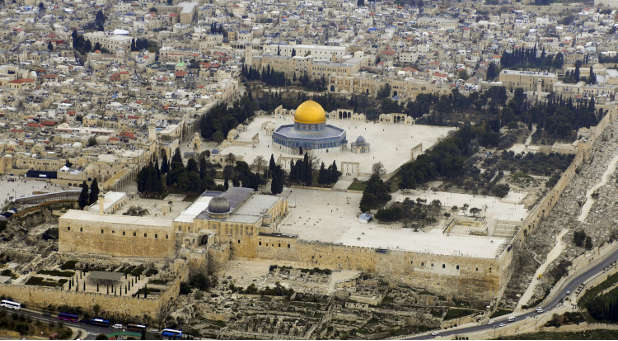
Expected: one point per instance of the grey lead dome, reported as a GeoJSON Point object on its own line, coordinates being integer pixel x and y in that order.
{"type": "Point", "coordinates": [218, 205]}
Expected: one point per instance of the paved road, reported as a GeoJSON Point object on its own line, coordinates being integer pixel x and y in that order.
{"type": "Point", "coordinates": [92, 331]}
{"type": "Point", "coordinates": [570, 286]}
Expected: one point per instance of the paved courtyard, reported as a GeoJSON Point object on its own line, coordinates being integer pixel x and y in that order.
{"type": "Point", "coordinates": [391, 144]}
{"type": "Point", "coordinates": [13, 187]}
{"type": "Point", "coordinates": [331, 217]}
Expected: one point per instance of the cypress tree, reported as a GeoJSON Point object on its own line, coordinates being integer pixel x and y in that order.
{"type": "Point", "coordinates": [94, 192]}
{"type": "Point", "coordinates": [177, 160]}
{"type": "Point", "coordinates": [271, 165]}
{"type": "Point", "coordinates": [276, 185]}
{"type": "Point", "coordinates": [83, 196]}
{"type": "Point", "coordinates": [323, 175]}
{"type": "Point", "coordinates": [165, 165]}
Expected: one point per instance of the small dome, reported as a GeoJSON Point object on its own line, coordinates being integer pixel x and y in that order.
{"type": "Point", "coordinates": [218, 205]}
{"type": "Point", "coordinates": [360, 140]}
{"type": "Point", "coordinates": [310, 112]}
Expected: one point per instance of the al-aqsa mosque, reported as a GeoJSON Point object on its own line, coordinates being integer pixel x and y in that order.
{"type": "Point", "coordinates": [309, 131]}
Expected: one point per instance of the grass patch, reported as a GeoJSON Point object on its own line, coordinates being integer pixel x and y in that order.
{"type": "Point", "coordinates": [40, 281]}
{"type": "Point", "coordinates": [151, 271]}
{"type": "Point", "coordinates": [8, 273]}
{"type": "Point", "coordinates": [57, 273]}
{"type": "Point", "coordinates": [149, 291]}
{"type": "Point", "coordinates": [598, 334]}
{"type": "Point", "coordinates": [158, 281]}
{"type": "Point", "coordinates": [357, 185]}
{"type": "Point", "coordinates": [69, 265]}
{"type": "Point", "coordinates": [500, 312]}
{"type": "Point", "coordinates": [594, 292]}
{"type": "Point", "coordinates": [454, 313]}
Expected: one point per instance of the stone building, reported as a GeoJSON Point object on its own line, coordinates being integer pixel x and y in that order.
{"type": "Point", "coordinates": [309, 131]}
{"type": "Point", "coordinates": [528, 80]}
{"type": "Point", "coordinates": [241, 223]}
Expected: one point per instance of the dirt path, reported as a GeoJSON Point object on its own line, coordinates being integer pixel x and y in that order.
{"type": "Point", "coordinates": [611, 168]}
{"type": "Point", "coordinates": [551, 256]}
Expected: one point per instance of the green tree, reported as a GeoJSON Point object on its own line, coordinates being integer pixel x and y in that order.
{"type": "Point", "coordinates": [579, 238]}
{"type": "Point", "coordinates": [588, 244]}
{"type": "Point", "coordinates": [271, 165]}
{"type": "Point", "coordinates": [92, 141]}
{"type": "Point", "coordinates": [177, 160]}
{"type": "Point", "coordinates": [492, 72]}
{"type": "Point", "coordinates": [375, 195]}
{"type": "Point", "coordinates": [83, 196]}
{"type": "Point", "coordinates": [165, 165]}
{"type": "Point", "coordinates": [94, 192]}
{"type": "Point", "coordinates": [592, 78]}
{"type": "Point", "coordinates": [385, 91]}
{"type": "Point", "coordinates": [278, 176]}
{"type": "Point", "coordinates": [323, 175]}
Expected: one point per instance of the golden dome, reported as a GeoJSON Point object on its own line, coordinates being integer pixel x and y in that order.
{"type": "Point", "coordinates": [310, 112]}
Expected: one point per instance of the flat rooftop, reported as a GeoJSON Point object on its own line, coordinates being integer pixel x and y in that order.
{"type": "Point", "coordinates": [332, 217]}
{"type": "Point", "coordinates": [390, 144]}
{"type": "Point", "coordinates": [117, 219]}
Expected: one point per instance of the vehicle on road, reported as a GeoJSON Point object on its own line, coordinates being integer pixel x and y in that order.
{"type": "Point", "coordinates": [568, 292]}
{"type": "Point", "coordinates": [132, 327]}
{"type": "Point", "coordinates": [539, 310]}
{"type": "Point", "coordinates": [10, 304]}
{"type": "Point", "coordinates": [511, 318]}
{"type": "Point", "coordinates": [434, 333]}
{"type": "Point", "coordinates": [501, 324]}
{"type": "Point", "coordinates": [171, 333]}
{"type": "Point", "coordinates": [117, 326]}
{"type": "Point", "coordinates": [99, 322]}
{"type": "Point", "coordinates": [68, 317]}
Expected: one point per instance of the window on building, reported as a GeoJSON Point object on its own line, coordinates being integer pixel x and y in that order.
{"type": "Point", "coordinates": [238, 241]}
{"type": "Point", "coordinates": [477, 269]}
{"type": "Point", "coordinates": [134, 234]}
{"type": "Point", "coordinates": [166, 236]}
{"type": "Point", "coordinates": [422, 263]}
{"type": "Point", "coordinates": [432, 265]}
{"type": "Point", "coordinates": [68, 228]}
{"type": "Point", "coordinates": [260, 243]}
{"type": "Point", "coordinates": [288, 246]}
{"type": "Point", "coordinates": [145, 235]}
{"type": "Point", "coordinates": [457, 267]}
{"type": "Point", "coordinates": [279, 244]}
{"type": "Point", "coordinates": [156, 236]}
{"type": "Point", "coordinates": [443, 266]}
{"type": "Point", "coordinates": [124, 233]}
{"type": "Point", "coordinates": [101, 231]}
{"type": "Point", "coordinates": [81, 229]}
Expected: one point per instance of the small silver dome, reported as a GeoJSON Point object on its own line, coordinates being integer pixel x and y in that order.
{"type": "Point", "coordinates": [218, 205]}
{"type": "Point", "coordinates": [360, 140]}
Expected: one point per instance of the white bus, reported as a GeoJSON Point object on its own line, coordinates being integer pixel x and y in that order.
{"type": "Point", "coordinates": [10, 304]}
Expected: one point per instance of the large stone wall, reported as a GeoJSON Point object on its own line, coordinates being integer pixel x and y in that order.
{"type": "Point", "coordinates": [115, 239]}
{"type": "Point", "coordinates": [120, 306]}
{"type": "Point", "coordinates": [463, 277]}
{"type": "Point", "coordinates": [542, 209]}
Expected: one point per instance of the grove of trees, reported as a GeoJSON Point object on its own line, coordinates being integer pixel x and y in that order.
{"type": "Point", "coordinates": [524, 58]}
